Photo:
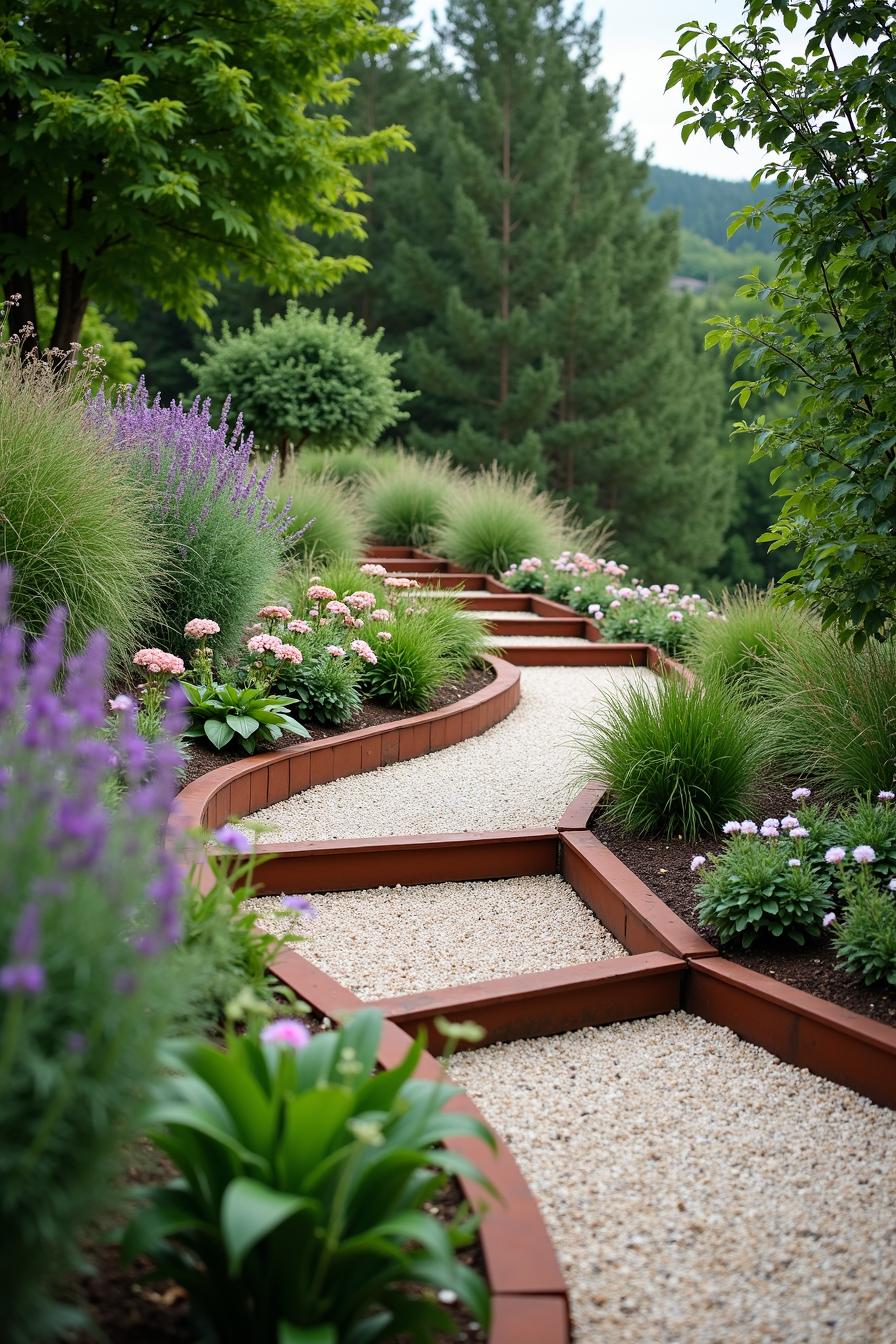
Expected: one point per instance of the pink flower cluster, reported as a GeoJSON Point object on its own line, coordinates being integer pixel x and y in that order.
{"type": "Point", "coordinates": [201, 629]}
{"type": "Point", "coordinates": [361, 601]}
{"type": "Point", "coordinates": [284, 653]}
{"type": "Point", "coordinates": [318, 592]}
{"type": "Point", "coordinates": [397, 581]}
{"type": "Point", "coordinates": [158, 662]}
{"type": "Point", "coordinates": [363, 650]}
{"type": "Point", "coordinates": [374, 571]}
{"type": "Point", "coordinates": [275, 613]}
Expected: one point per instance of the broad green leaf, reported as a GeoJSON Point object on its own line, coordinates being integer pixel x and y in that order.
{"type": "Point", "coordinates": [250, 1211]}
{"type": "Point", "coordinates": [218, 733]}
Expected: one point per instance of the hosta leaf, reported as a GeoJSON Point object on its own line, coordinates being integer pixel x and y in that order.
{"type": "Point", "coordinates": [218, 733]}
{"type": "Point", "coordinates": [243, 724]}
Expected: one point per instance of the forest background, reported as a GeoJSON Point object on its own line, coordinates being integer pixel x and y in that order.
{"type": "Point", "coordinates": [547, 289]}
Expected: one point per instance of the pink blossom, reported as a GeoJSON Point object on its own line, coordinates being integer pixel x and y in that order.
{"type": "Point", "coordinates": [787, 823]}
{"type": "Point", "coordinates": [299, 627]}
{"type": "Point", "coordinates": [396, 581]}
{"type": "Point", "coordinates": [319, 593]}
{"type": "Point", "coordinates": [614, 605]}
{"type": "Point", "coordinates": [337, 609]}
{"type": "Point", "coordinates": [675, 616]}
{"type": "Point", "coordinates": [836, 854]}
{"type": "Point", "coordinates": [801, 793]}
{"type": "Point", "coordinates": [381, 614]}
{"type": "Point", "coordinates": [286, 1031]}
{"type": "Point", "coordinates": [265, 644]}
{"type": "Point", "coordinates": [120, 703]}
{"type": "Point", "coordinates": [697, 862]}
{"type": "Point", "coordinates": [201, 629]}
{"type": "Point", "coordinates": [731, 827]}
{"type": "Point", "coordinates": [378, 571]}
{"type": "Point", "coordinates": [288, 653]}
{"type": "Point", "coordinates": [361, 601]}
{"type": "Point", "coordinates": [829, 919]}
{"type": "Point", "coordinates": [769, 830]}
{"type": "Point", "coordinates": [748, 828]}
{"type": "Point", "coordinates": [363, 650]}
{"type": "Point", "coordinates": [157, 661]}
{"type": "Point", "coordinates": [864, 854]}
{"type": "Point", "coordinates": [798, 833]}
{"type": "Point", "coordinates": [383, 634]}
{"type": "Point", "coordinates": [275, 613]}
{"type": "Point", "coordinates": [886, 796]}
{"type": "Point", "coordinates": [335, 650]}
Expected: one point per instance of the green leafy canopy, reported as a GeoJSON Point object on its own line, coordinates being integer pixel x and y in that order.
{"type": "Point", "coordinates": [149, 156]}
{"type": "Point", "coordinates": [827, 121]}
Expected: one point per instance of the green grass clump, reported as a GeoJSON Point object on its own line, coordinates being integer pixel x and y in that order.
{"type": "Point", "coordinates": [830, 713]}
{"type": "Point", "coordinates": [337, 528]}
{"type": "Point", "coordinates": [678, 760]}
{"type": "Point", "coordinates": [344, 464]}
{"type": "Point", "coordinates": [74, 522]}
{"type": "Point", "coordinates": [432, 642]}
{"type": "Point", "coordinates": [409, 499]}
{"type": "Point", "coordinates": [498, 519]}
{"type": "Point", "coordinates": [749, 631]}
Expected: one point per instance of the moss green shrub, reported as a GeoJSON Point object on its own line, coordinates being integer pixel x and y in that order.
{"type": "Point", "coordinates": [678, 760]}
{"type": "Point", "coordinates": [409, 499]}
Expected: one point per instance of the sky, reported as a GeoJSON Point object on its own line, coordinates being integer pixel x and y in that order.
{"type": "Point", "coordinates": [635, 34]}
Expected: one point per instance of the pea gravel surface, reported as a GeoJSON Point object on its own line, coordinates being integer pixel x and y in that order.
{"type": "Point", "coordinates": [515, 775]}
{"type": "Point", "coordinates": [699, 1191]}
{"type": "Point", "coordinates": [398, 940]}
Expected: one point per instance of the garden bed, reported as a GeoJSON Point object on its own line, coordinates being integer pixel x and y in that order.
{"type": "Point", "coordinates": [665, 866]}
{"type": "Point", "coordinates": [201, 759]}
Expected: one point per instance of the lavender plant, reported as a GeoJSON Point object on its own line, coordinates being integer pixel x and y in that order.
{"type": "Point", "coordinates": [224, 536]}
{"type": "Point", "coordinates": [90, 905]}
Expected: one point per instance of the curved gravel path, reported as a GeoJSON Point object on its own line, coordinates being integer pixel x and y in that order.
{"type": "Point", "coordinates": [515, 775]}
{"type": "Point", "coordinates": [699, 1191]}
{"type": "Point", "coordinates": [400, 940]}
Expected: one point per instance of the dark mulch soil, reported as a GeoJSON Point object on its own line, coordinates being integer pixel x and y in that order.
{"type": "Point", "coordinates": [200, 759]}
{"type": "Point", "coordinates": [125, 1307]}
{"type": "Point", "coordinates": [665, 866]}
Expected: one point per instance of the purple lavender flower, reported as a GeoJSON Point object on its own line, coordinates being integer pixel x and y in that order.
{"type": "Point", "coordinates": [231, 838]}
{"type": "Point", "coordinates": [23, 973]}
{"type": "Point", "coordinates": [300, 905]}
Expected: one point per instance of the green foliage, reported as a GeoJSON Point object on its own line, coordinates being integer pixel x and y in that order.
{"type": "Point", "coordinates": [324, 689]}
{"type": "Point", "coordinates": [410, 667]}
{"type": "Point", "coordinates": [73, 522]}
{"type": "Point", "coordinates": [866, 935]}
{"type": "Point", "coordinates": [751, 632]}
{"type": "Point", "coordinates": [864, 822]}
{"type": "Point", "coordinates": [221, 713]}
{"type": "Point", "coordinates": [300, 1215]}
{"type": "Point", "coordinates": [830, 714]}
{"type": "Point", "coordinates": [678, 760]}
{"type": "Point", "coordinates": [152, 157]}
{"type": "Point", "coordinates": [407, 501]}
{"type": "Point", "coordinates": [828, 326]}
{"type": "Point", "coordinates": [345, 464]}
{"type": "Point", "coordinates": [750, 889]}
{"type": "Point", "coordinates": [304, 378]}
{"type": "Point", "coordinates": [499, 518]}
{"type": "Point", "coordinates": [337, 528]}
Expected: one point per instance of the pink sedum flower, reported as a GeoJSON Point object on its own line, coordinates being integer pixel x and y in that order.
{"type": "Point", "coordinates": [363, 650]}
{"type": "Point", "coordinates": [335, 650]}
{"type": "Point", "coordinates": [383, 634]}
{"type": "Point", "coordinates": [274, 613]}
{"type": "Point", "coordinates": [265, 644]}
{"type": "Point", "coordinates": [361, 601]}
{"type": "Point", "coordinates": [337, 609]}
{"type": "Point", "coordinates": [374, 571]}
{"type": "Point", "coordinates": [769, 830]}
{"type": "Point", "coordinates": [290, 654]}
{"type": "Point", "coordinates": [318, 592]}
{"type": "Point", "coordinates": [397, 581]}
{"type": "Point", "coordinates": [286, 1031]}
{"type": "Point", "coordinates": [675, 616]}
{"type": "Point", "coordinates": [299, 627]}
{"type": "Point", "coordinates": [199, 628]}
{"type": "Point", "coordinates": [157, 661]}
{"type": "Point", "coordinates": [381, 614]}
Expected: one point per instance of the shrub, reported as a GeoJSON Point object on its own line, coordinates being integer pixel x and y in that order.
{"type": "Point", "coordinates": [756, 886]}
{"type": "Point", "coordinates": [304, 378]}
{"type": "Point", "coordinates": [222, 534]}
{"type": "Point", "coordinates": [345, 464]}
{"type": "Point", "coordinates": [408, 500]}
{"type": "Point", "coordinates": [90, 904]}
{"type": "Point", "coordinates": [409, 667]}
{"type": "Point", "coordinates": [830, 713]}
{"type": "Point", "coordinates": [677, 759]}
{"type": "Point", "coordinates": [300, 1212]}
{"type": "Point", "coordinates": [499, 518]}
{"type": "Point", "coordinates": [325, 689]}
{"type": "Point", "coordinates": [752, 632]}
{"type": "Point", "coordinates": [866, 936]}
{"type": "Point", "coordinates": [74, 524]}
{"type": "Point", "coordinates": [335, 526]}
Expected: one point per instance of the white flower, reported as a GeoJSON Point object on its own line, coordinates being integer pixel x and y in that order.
{"type": "Point", "coordinates": [697, 862]}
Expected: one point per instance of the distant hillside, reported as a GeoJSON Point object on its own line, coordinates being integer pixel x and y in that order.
{"type": "Point", "coordinates": [706, 205]}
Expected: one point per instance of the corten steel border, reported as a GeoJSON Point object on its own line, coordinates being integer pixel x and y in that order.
{"type": "Point", "coordinates": [258, 781]}
{"type": "Point", "coordinates": [524, 1275]}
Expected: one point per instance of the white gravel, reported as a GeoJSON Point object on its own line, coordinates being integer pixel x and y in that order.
{"type": "Point", "coordinates": [538, 641]}
{"type": "Point", "coordinates": [398, 940]}
{"type": "Point", "coordinates": [514, 775]}
{"type": "Point", "coordinates": [697, 1190]}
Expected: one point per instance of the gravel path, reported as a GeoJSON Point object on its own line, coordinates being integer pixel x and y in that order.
{"type": "Point", "coordinates": [697, 1190]}
{"type": "Point", "coordinates": [398, 940]}
{"type": "Point", "coordinates": [514, 775]}
{"type": "Point", "coordinates": [540, 641]}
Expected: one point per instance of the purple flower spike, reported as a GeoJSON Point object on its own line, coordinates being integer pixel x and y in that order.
{"type": "Point", "coordinates": [231, 838]}
{"type": "Point", "coordinates": [22, 977]}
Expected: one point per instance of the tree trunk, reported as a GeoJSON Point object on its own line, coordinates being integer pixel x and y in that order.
{"type": "Point", "coordinates": [504, 296]}
{"type": "Point", "coordinates": [18, 286]}
{"type": "Point", "coordinates": [71, 305]}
